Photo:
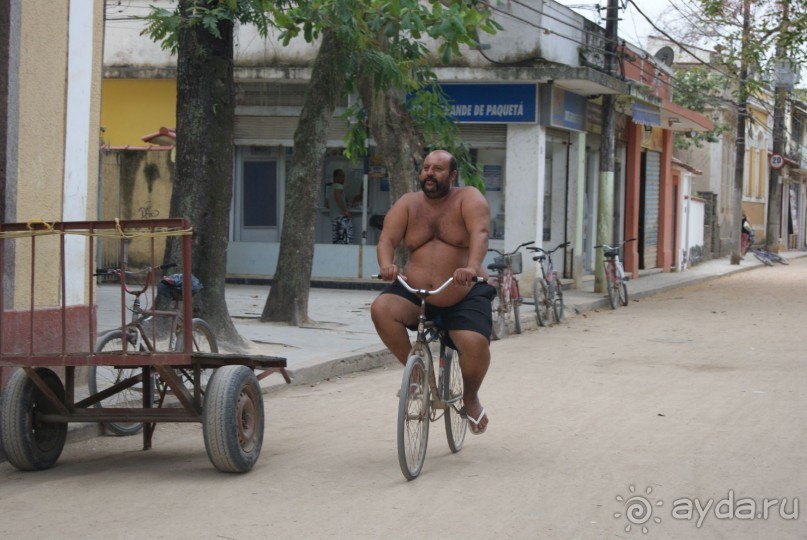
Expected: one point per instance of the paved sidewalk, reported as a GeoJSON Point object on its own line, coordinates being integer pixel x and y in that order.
{"type": "Point", "coordinates": [342, 338]}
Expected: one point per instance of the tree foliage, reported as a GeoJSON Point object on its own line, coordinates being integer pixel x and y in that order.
{"type": "Point", "coordinates": [391, 45]}
{"type": "Point", "coordinates": [701, 89]}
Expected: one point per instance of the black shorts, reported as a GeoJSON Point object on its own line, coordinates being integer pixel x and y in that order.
{"type": "Point", "coordinates": [471, 313]}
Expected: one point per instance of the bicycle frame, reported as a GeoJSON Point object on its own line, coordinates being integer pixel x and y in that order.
{"type": "Point", "coordinates": [140, 315]}
{"type": "Point", "coordinates": [427, 333]}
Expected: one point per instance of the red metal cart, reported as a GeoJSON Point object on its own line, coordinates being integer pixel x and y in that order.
{"type": "Point", "coordinates": [48, 328]}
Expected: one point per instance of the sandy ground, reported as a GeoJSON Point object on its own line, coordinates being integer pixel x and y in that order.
{"type": "Point", "coordinates": [607, 424]}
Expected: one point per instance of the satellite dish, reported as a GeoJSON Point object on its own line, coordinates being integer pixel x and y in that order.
{"type": "Point", "coordinates": [665, 54]}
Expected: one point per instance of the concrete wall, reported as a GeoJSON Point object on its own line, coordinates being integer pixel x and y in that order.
{"type": "Point", "coordinates": [51, 161]}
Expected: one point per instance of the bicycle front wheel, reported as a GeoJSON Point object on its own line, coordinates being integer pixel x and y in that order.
{"type": "Point", "coordinates": [100, 378]}
{"type": "Point", "coordinates": [623, 293]}
{"type": "Point", "coordinates": [613, 289]}
{"type": "Point", "coordinates": [557, 302]}
{"type": "Point", "coordinates": [451, 390]}
{"type": "Point", "coordinates": [413, 418]}
{"type": "Point", "coordinates": [515, 300]}
{"type": "Point", "coordinates": [539, 294]}
{"type": "Point", "coordinates": [498, 313]}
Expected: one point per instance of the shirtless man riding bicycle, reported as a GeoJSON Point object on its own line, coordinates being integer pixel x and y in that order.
{"type": "Point", "coordinates": [445, 229]}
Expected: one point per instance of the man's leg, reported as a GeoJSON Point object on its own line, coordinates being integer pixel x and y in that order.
{"type": "Point", "coordinates": [474, 351]}
{"type": "Point", "coordinates": [391, 315]}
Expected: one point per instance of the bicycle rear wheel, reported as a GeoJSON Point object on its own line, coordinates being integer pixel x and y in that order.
{"type": "Point", "coordinates": [557, 302]}
{"type": "Point", "coordinates": [204, 341]}
{"type": "Point", "coordinates": [451, 390]}
{"type": "Point", "coordinates": [498, 313]}
{"type": "Point", "coordinates": [100, 378]}
{"type": "Point", "coordinates": [539, 294]}
{"type": "Point", "coordinates": [413, 418]}
{"type": "Point", "coordinates": [515, 300]}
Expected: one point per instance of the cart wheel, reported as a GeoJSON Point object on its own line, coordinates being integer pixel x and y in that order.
{"type": "Point", "coordinates": [232, 421]}
{"type": "Point", "coordinates": [31, 444]}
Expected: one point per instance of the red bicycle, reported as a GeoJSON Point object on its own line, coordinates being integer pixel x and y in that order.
{"type": "Point", "coordinates": [508, 297]}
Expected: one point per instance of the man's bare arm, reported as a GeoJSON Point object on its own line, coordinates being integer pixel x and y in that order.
{"type": "Point", "coordinates": [476, 215]}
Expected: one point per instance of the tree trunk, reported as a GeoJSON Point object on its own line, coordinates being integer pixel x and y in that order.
{"type": "Point", "coordinates": [742, 114]}
{"type": "Point", "coordinates": [288, 297]}
{"type": "Point", "coordinates": [204, 178]}
{"type": "Point", "coordinates": [397, 139]}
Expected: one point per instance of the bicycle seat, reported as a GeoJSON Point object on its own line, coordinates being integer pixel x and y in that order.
{"type": "Point", "coordinates": [539, 258]}
{"type": "Point", "coordinates": [497, 266]}
{"type": "Point", "coordinates": [612, 253]}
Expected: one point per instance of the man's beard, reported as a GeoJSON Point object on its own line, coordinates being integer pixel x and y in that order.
{"type": "Point", "coordinates": [439, 191]}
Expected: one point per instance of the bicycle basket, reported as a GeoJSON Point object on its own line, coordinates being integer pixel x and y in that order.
{"type": "Point", "coordinates": [171, 286]}
{"type": "Point", "coordinates": [514, 260]}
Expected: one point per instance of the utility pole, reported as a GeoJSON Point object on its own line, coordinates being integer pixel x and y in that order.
{"type": "Point", "coordinates": [742, 113]}
{"type": "Point", "coordinates": [773, 225]}
{"type": "Point", "coordinates": [605, 188]}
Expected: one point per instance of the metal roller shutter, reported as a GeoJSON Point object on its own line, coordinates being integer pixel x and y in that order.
{"type": "Point", "coordinates": [652, 186]}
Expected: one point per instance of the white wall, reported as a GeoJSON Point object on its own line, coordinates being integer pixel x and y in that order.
{"type": "Point", "coordinates": [524, 191]}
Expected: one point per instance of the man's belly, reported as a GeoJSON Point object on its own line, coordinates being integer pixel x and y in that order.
{"type": "Point", "coordinates": [431, 265]}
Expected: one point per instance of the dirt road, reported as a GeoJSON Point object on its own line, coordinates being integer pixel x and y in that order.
{"type": "Point", "coordinates": [687, 405]}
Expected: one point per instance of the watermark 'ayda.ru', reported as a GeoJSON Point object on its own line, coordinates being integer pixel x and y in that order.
{"type": "Point", "coordinates": [746, 508]}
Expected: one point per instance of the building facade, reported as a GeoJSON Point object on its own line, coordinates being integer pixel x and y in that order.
{"type": "Point", "coordinates": [531, 119]}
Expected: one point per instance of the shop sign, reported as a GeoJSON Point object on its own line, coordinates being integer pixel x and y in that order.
{"type": "Point", "coordinates": [562, 109]}
{"type": "Point", "coordinates": [492, 103]}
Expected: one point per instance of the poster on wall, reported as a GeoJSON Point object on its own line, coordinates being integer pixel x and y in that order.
{"type": "Point", "coordinates": [493, 177]}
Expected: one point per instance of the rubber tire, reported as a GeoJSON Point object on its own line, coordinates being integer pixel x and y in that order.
{"type": "Point", "coordinates": [515, 299]}
{"type": "Point", "coordinates": [30, 445]}
{"type": "Point", "coordinates": [778, 258]}
{"type": "Point", "coordinates": [623, 293]}
{"type": "Point", "coordinates": [412, 442]}
{"type": "Point", "coordinates": [232, 419]}
{"type": "Point", "coordinates": [111, 375]}
{"type": "Point", "coordinates": [499, 329]}
{"type": "Point", "coordinates": [762, 258]}
{"type": "Point", "coordinates": [451, 390]}
{"type": "Point", "coordinates": [557, 304]}
{"type": "Point", "coordinates": [539, 295]}
{"type": "Point", "coordinates": [613, 293]}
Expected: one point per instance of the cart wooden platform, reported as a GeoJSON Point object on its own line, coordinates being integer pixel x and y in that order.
{"type": "Point", "coordinates": [51, 342]}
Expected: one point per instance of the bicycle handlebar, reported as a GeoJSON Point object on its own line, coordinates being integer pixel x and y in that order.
{"type": "Point", "coordinates": [537, 249]}
{"type": "Point", "coordinates": [619, 245]}
{"type": "Point", "coordinates": [503, 254]}
{"type": "Point", "coordinates": [121, 274]}
{"type": "Point", "coordinates": [426, 292]}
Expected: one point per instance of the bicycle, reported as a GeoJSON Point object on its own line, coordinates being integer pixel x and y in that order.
{"type": "Point", "coordinates": [142, 336]}
{"type": "Point", "coordinates": [767, 257]}
{"type": "Point", "coordinates": [419, 403]}
{"type": "Point", "coordinates": [547, 289]}
{"type": "Point", "coordinates": [508, 297]}
{"type": "Point", "coordinates": [615, 274]}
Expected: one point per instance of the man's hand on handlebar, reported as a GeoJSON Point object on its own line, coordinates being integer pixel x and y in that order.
{"type": "Point", "coordinates": [464, 277]}
{"type": "Point", "coordinates": [389, 272]}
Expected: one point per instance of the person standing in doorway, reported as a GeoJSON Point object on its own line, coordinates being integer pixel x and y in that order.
{"type": "Point", "coordinates": [341, 223]}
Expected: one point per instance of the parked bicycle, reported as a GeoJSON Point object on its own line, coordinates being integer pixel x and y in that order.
{"type": "Point", "coordinates": [547, 289]}
{"type": "Point", "coordinates": [767, 257]}
{"type": "Point", "coordinates": [426, 396]}
{"type": "Point", "coordinates": [508, 297]}
{"type": "Point", "coordinates": [615, 274]}
{"type": "Point", "coordinates": [143, 335]}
